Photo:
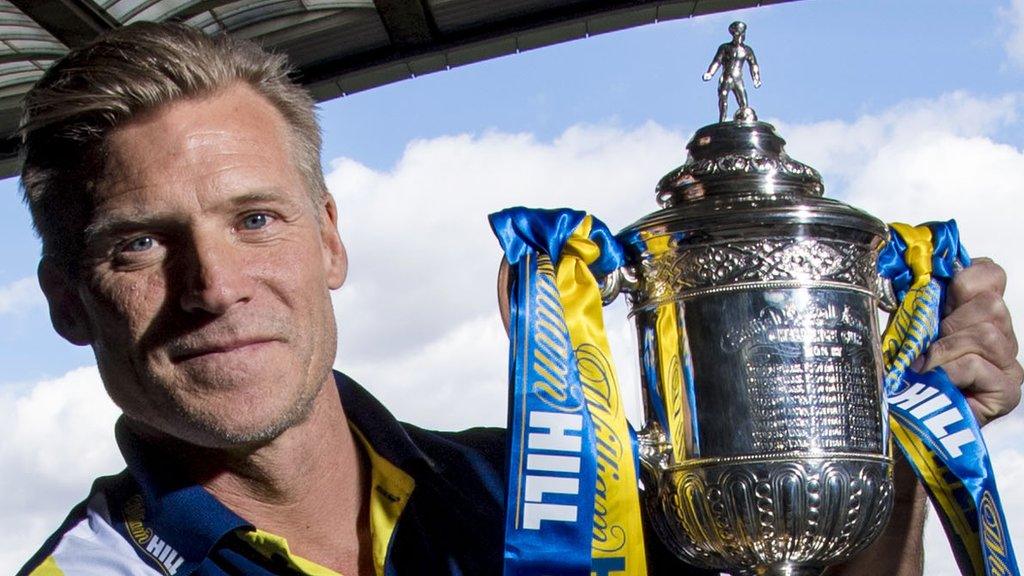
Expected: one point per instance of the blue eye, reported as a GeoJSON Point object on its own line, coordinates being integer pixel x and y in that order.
{"type": "Point", "coordinates": [140, 244]}
{"type": "Point", "coordinates": [255, 221]}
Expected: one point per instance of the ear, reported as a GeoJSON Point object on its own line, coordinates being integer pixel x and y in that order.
{"type": "Point", "coordinates": [67, 314]}
{"type": "Point", "coordinates": [335, 256]}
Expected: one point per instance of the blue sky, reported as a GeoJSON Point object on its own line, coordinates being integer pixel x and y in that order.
{"type": "Point", "coordinates": [834, 60]}
{"type": "Point", "coordinates": [910, 109]}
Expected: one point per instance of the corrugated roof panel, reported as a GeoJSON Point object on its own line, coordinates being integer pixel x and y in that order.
{"type": "Point", "coordinates": [621, 19]}
{"type": "Point", "coordinates": [14, 74]}
{"type": "Point", "coordinates": [482, 51]}
{"type": "Point", "coordinates": [325, 4]}
{"type": "Point", "coordinates": [25, 49]}
{"type": "Point", "coordinates": [427, 64]}
{"type": "Point", "coordinates": [712, 6]}
{"type": "Point", "coordinates": [549, 35]}
{"type": "Point", "coordinates": [12, 30]}
{"type": "Point", "coordinates": [11, 14]}
{"type": "Point", "coordinates": [15, 24]}
{"type": "Point", "coordinates": [22, 44]}
{"type": "Point", "coordinates": [374, 77]}
{"type": "Point", "coordinates": [673, 10]}
{"type": "Point", "coordinates": [160, 10]}
{"type": "Point", "coordinates": [122, 10]}
{"type": "Point", "coordinates": [285, 23]}
{"type": "Point", "coordinates": [316, 40]}
{"type": "Point", "coordinates": [459, 15]}
{"type": "Point", "coordinates": [240, 15]}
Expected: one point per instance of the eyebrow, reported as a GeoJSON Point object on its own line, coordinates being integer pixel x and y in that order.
{"type": "Point", "coordinates": [108, 225]}
{"type": "Point", "coordinates": [112, 225]}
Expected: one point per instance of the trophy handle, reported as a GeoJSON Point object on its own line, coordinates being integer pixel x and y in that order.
{"type": "Point", "coordinates": [622, 279]}
{"type": "Point", "coordinates": [886, 295]}
{"type": "Point", "coordinates": [652, 443]}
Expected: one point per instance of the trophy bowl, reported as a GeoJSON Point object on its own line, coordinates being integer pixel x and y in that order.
{"type": "Point", "coordinates": [766, 448]}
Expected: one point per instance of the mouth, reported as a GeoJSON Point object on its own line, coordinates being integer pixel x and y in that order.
{"type": "Point", "coordinates": [215, 349]}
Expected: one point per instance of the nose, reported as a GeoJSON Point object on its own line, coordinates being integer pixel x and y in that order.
{"type": "Point", "coordinates": [216, 277]}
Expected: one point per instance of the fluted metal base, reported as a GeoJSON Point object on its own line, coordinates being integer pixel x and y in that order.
{"type": "Point", "coordinates": [785, 570]}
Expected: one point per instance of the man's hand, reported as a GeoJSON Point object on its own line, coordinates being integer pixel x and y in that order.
{"type": "Point", "coordinates": [978, 350]}
{"type": "Point", "coordinates": [977, 346]}
{"type": "Point", "coordinates": [707, 76]}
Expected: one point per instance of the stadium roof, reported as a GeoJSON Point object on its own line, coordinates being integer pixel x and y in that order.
{"type": "Point", "coordinates": [336, 46]}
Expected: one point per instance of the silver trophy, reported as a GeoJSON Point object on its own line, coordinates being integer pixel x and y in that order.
{"type": "Point", "coordinates": [766, 447]}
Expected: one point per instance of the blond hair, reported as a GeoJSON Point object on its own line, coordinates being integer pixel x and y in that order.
{"type": "Point", "coordinates": [119, 76]}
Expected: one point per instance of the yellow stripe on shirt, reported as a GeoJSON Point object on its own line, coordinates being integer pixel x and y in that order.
{"type": "Point", "coordinates": [390, 489]}
{"type": "Point", "coordinates": [47, 568]}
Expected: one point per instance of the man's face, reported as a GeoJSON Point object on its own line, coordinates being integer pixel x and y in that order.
{"type": "Point", "coordinates": [206, 282]}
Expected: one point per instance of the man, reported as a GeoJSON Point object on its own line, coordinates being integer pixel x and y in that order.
{"type": "Point", "coordinates": [189, 238]}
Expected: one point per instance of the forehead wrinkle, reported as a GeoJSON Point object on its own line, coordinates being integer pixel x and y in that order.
{"type": "Point", "coordinates": [206, 171]}
{"type": "Point", "coordinates": [186, 157]}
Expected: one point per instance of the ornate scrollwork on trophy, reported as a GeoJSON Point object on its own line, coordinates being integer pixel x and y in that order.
{"type": "Point", "coordinates": [688, 271]}
{"type": "Point", "coordinates": [773, 512]}
{"type": "Point", "coordinates": [737, 165]}
{"type": "Point", "coordinates": [734, 164]}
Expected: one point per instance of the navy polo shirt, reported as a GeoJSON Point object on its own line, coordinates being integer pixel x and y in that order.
{"type": "Point", "coordinates": [437, 507]}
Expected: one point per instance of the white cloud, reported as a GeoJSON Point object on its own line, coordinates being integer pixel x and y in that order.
{"type": "Point", "coordinates": [417, 318]}
{"type": "Point", "coordinates": [20, 296]}
{"type": "Point", "coordinates": [841, 149]}
{"type": "Point", "coordinates": [930, 160]}
{"type": "Point", "coordinates": [58, 436]}
{"type": "Point", "coordinates": [422, 257]}
{"type": "Point", "coordinates": [1012, 18]}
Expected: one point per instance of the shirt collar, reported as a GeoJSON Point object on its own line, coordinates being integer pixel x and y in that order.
{"type": "Point", "coordinates": [184, 517]}
{"type": "Point", "coordinates": [389, 438]}
{"type": "Point", "coordinates": [169, 512]}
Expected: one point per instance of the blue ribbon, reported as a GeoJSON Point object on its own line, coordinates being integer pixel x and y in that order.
{"type": "Point", "coordinates": [549, 516]}
{"type": "Point", "coordinates": [946, 449]}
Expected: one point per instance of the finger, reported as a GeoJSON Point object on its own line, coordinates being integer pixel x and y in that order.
{"type": "Point", "coordinates": [984, 339]}
{"type": "Point", "coordinates": [503, 306]}
{"type": "Point", "coordinates": [985, 307]}
{"type": "Point", "coordinates": [990, 391]}
{"type": "Point", "coordinates": [983, 275]}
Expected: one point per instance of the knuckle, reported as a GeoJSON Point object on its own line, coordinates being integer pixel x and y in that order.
{"type": "Point", "coordinates": [1013, 395]}
{"type": "Point", "coordinates": [938, 349]}
{"type": "Point", "coordinates": [992, 341]}
{"type": "Point", "coordinates": [976, 363]}
{"type": "Point", "coordinates": [1014, 400]}
{"type": "Point", "coordinates": [1016, 374]}
{"type": "Point", "coordinates": [983, 275]}
{"type": "Point", "coordinates": [948, 325]}
{"type": "Point", "coordinates": [991, 303]}
{"type": "Point", "coordinates": [994, 277]}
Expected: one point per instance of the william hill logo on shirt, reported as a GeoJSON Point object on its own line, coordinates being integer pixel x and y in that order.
{"type": "Point", "coordinates": [163, 555]}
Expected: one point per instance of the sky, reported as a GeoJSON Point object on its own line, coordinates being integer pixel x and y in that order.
{"type": "Point", "coordinates": [911, 110]}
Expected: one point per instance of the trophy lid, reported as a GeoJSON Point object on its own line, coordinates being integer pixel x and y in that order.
{"type": "Point", "coordinates": [737, 171]}
{"type": "Point", "coordinates": [737, 157]}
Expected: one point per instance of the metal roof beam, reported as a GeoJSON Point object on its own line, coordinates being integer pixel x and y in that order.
{"type": "Point", "coordinates": [338, 67]}
{"type": "Point", "coordinates": [407, 22]}
{"type": "Point", "coordinates": [191, 10]}
{"type": "Point", "coordinates": [72, 22]}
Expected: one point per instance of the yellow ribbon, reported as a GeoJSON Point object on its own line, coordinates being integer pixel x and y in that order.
{"type": "Point", "coordinates": [618, 530]}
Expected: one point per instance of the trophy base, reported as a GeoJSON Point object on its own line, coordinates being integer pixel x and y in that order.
{"type": "Point", "coordinates": [776, 515]}
{"type": "Point", "coordinates": [784, 570]}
